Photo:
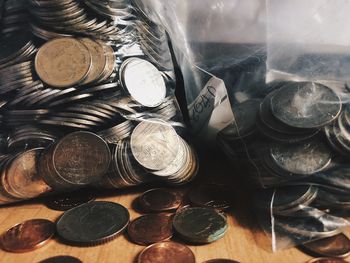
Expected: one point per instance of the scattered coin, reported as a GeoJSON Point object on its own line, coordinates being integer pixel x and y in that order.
{"type": "Point", "coordinates": [170, 252]}
{"type": "Point", "coordinates": [64, 202]}
{"type": "Point", "coordinates": [61, 259]}
{"type": "Point", "coordinates": [27, 236]}
{"type": "Point", "coordinates": [93, 223]}
{"type": "Point", "coordinates": [200, 225]}
{"type": "Point", "coordinates": [327, 260]}
{"type": "Point", "coordinates": [336, 246]}
{"type": "Point", "coordinates": [220, 260]}
{"type": "Point", "coordinates": [160, 200]}
{"type": "Point", "coordinates": [150, 229]}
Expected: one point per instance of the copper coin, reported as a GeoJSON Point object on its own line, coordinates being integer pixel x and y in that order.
{"type": "Point", "coordinates": [211, 196]}
{"type": "Point", "coordinates": [27, 236]}
{"type": "Point", "coordinates": [221, 260]}
{"type": "Point", "coordinates": [61, 259]}
{"type": "Point", "coordinates": [160, 200]}
{"type": "Point", "coordinates": [149, 229]}
{"type": "Point", "coordinates": [64, 202]}
{"type": "Point", "coordinates": [169, 252]}
{"type": "Point", "coordinates": [335, 246]}
{"type": "Point", "coordinates": [327, 260]}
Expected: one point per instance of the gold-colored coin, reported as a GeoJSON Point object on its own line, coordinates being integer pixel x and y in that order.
{"type": "Point", "coordinates": [98, 60]}
{"type": "Point", "coordinates": [63, 62]}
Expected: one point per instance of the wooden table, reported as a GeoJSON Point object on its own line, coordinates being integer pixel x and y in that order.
{"type": "Point", "coordinates": [240, 243]}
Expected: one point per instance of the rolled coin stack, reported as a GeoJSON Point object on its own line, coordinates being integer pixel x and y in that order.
{"type": "Point", "coordinates": [89, 79]}
{"type": "Point", "coordinates": [295, 142]}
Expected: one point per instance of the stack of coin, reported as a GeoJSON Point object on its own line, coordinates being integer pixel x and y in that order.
{"type": "Point", "coordinates": [14, 17]}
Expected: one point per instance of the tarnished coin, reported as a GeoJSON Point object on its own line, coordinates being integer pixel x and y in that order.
{"type": "Point", "coordinates": [336, 246]}
{"type": "Point", "coordinates": [304, 158]}
{"type": "Point", "coordinates": [64, 202]}
{"type": "Point", "coordinates": [221, 260]}
{"type": "Point", "coordinates": [27, 236]}
{"type": "Point", "coordinates": [200, 225]}
{"type": "Point", "coordinates": [327, 260]}
{"type": "Point", "coordinates": [169, 252]}
{"type": "Point", "coordinates": [150, 229]}
{"type": "Point", "coordinates": [62, 259]}
{"type": "Point", "coordinates": [154, 144]}
{"type": "Point", "coordinates": [80, 158]}
{"type": "Point", "coordinates": [160, 200]}
{"type": "Point", "coordinates": [63, 62]}
{"type": "Point", "coordinates": [143, 81]}
{"type": "Point", "coordinates": [305, 105]}
{"type": "Point", "coordinates": [211, 196]}
{"type": "Point", "coordinates": [93, 223]}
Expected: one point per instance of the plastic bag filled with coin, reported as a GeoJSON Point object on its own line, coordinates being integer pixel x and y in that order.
{"type": "Point", "coordinates": [87, 98]}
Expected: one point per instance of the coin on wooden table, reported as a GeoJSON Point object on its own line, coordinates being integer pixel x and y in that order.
{"type": "Point", "coordinates": [150, 229]}
{"type": "Point", "coordinates": [336, 246]}
{"type": "Point", "coordinates": [62, 259]}
{"type": "Point", "coordinates": [221, 260]}
{"type": "Point", "coordinates": [27, 236]}
{"type": "Point", "coordinates": [200, 225]}
{"type": "Point", "coordinates": [63, 62]}
{"type": "Point", "coordinates": [327, 260]}
{"type": "Point", "coordinates": [169, 252]}
{"type": "Point", "coordinates": [93, 223]}
{"type": "Point", "coordinates": [154, 144]}
{"type": "Point", "coordinates": [66, 201]}
{"type": "Point", "coordinates": [160, 200]}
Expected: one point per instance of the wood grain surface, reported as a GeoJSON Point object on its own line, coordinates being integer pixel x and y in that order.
{"type": "Point", "coordinates": [243, 241]}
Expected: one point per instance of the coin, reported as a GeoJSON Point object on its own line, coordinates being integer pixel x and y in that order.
{"type": "Point", "coordinates": [150, 229]}
{"type": "Point", "coordinates": [143, 81]}
{"type": "Point", "coordinates": [160, 200]}
{"type": "Point", "coordinates": [64, 202]}
{"type": "Point", "coordinates": [27, 236]}
{"type": "Point", "coordinates": [336, 246]}
{"type": "Point", "coordinates": [154, 144]}
{"type": "Point", "coordinates": [169, 252]}
{"type": "Point", "coordinates": [211, 196]}
{"type": "Point", "coordinates": [305, 105]}
{"type": "Point", "coordinates": [200, 225]}
{"type": "Point", "coordinates": [221, 260]}
{"type": "Point", "coordinates": [63, 62]}
{"type": "Point", "coordinates": [93, 223]}
{"type": "Point", "coordinates": [62, 259]}
{"type": "Point", "coordinates": [327, 260]}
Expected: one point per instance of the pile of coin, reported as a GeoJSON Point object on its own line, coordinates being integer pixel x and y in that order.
{"type": "Point", "coordinates": [295, 141]}
{"type": "Point", "coordinates": [86, 222]}
{"type": "Point", "coordinates": [14, 17]}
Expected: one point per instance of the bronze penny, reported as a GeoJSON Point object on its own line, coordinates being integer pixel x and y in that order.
{"type": "Point", "coordinates": [27, 236]}
{"type": "Point", "coordinates": [221, 260]}
{"type": "Point", "coordinates": [327, 260]}
{"type": "Point", "coordinates": [61, 259]}
{"type": "Point", "coordinates": [211, 196]}
{"type": "Point", "coordinates": [149, 229]}
{"type": "Point", "coordinates": [335, 246]}
{"type": "Point", "coordinates": [169, 252]}
{"type": "Point", "coordinates": [160, 200]}
{"type": "Point", "coordinates": [63, 62]}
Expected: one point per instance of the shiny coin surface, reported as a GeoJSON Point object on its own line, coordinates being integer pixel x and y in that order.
{"type": "Point", "coordinates": [305, 104]}
{"type": "Point", "coordinates": [169, 252]}
{"type": "Point", "coordinates": [200, 225]}
{"type": "Point", "coordinates": [160, 200]}
{"type": "Point", "coordinates": [93, 223]}
{"type": "Point", "coordinates": [62, 259]}
{"type": "Point", "coordinates": [336, 246]}
{"type": "Point", "coordinates": [63, 62]}
{"type": "Point", "coordinates": [154, 144]}
{"type": "Point", "coordinates": [143, 81]}
{"type": "Point", "coordinates": [150, 229]}
{"type": "Point", "coordinates": [211, 196]}
{"type": "Point", "coordinates": [27, 236]}
{"type": "Point", "coordinates": [327, 260]}
{"type": "Point", "coordinates": [64, 202]}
